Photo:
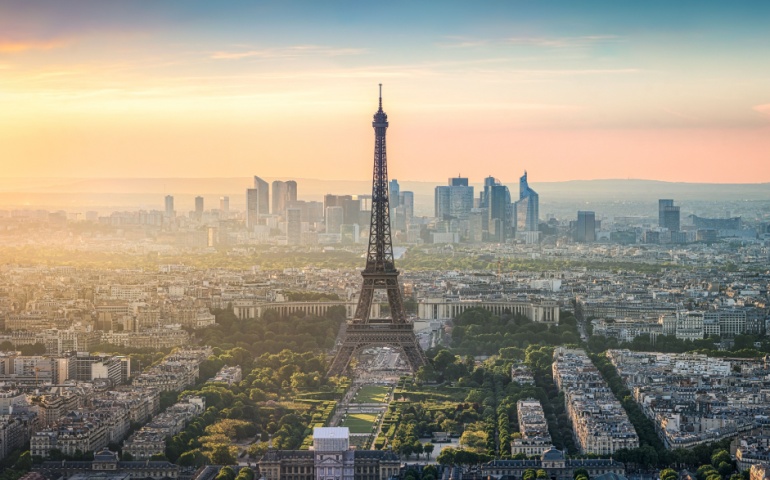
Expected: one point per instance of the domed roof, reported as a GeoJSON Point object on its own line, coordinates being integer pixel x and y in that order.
{"type": "Point", "coordinates": [552, 455]}
{"type": "Point", "coordinates": [105, 455]}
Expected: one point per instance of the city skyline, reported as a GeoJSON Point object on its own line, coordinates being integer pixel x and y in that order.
{"type": "Point", "coordinates": [566, 93]}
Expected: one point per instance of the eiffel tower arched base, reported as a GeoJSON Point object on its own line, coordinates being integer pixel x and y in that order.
{"type": "Point", "coordinates": [360, 336]}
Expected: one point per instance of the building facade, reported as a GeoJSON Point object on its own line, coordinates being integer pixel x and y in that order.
{"type": "Point", "coordinates": [331, 459]}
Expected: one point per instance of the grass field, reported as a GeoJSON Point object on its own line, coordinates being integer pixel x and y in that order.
{"type": "Point", "coordinates": [372, 394]}
{"type": "Point", "coordinates": [360, 422]}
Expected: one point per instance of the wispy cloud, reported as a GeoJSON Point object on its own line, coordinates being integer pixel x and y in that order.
{"type": "Point", "coordinates": [575, 72]}
{"type": "Point", "coordinates": [462, 42]}
{"type": "Point", "coordinates": [763, 109]}
{"type": "Point", "coordinates": [542, 42]}
{"type": "Point", "coordinates": [15, 46]}
{"type": "Point", "coordinates": [502, 106]}
{"type": "Point", "coordinates": [287, 52]}
{"type": "Point", "coordinates": [560, 42]}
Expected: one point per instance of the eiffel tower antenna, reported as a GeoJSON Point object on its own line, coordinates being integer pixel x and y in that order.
{"type": "Point", "coordinates": [379, 274]}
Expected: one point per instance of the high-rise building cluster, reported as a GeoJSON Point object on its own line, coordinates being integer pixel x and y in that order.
{"type": "Point", "coordinates": [274, 214]}
{"type": "Point", "coordinates": [492, 217]}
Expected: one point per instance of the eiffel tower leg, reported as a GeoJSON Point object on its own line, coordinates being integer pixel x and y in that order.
{"type": "Point", "coordinates": [415, 357]}
{"type": "Point", "coordinates": [394, 300]}
{"type": "Point", "coordinates": [364, 307]}
{"type": "Point", "coordinates": [341, 360]}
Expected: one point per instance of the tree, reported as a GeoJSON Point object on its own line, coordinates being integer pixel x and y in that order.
{"type": "Point", "coordinates": [425, 374]}
{"type": "Point", "coordinates": [187, 459]}
{"type": "Point", "coordinates": [226, 473]}
{"type": "Point", "coordinates": [245, 473]}
{"type": "Point", "coordinates": [725, 469]}
{"type": "Point", "coordinates": [447, 456]}
{"type": "Point", "coordinates": [542, 475]}
{"type": "Point", "coordinates": [256, 450]}
{"type": "Point", "coordinates": [417, 448]}
{"type": "Point", "coordinates": [428, 448]}
{"type": "Point", "coordinates": [442, 360]}
{"type": "Point", "coordinates": [704, 471]}
{"type": "Point", "coordinates": [669, 474]}
{"type": "Point", "coordinates": [529, 474]}
{"type": "Point", "coordinates": [474, 441]}
{"type": "Point", "coordinates": [450, 426]}
{"type": "Point", "coordinates": [24, 463]}
{"type": "Point", "coordinates": [720, 456]}
{"type": "Point", "coordinates": [126, 457]}
{"type": "Point", "coordinates": [582, 472]}
{"type": "Point", "coordinates": [221, 455]}
{"type": "Point", "coordinates": [429, 470]}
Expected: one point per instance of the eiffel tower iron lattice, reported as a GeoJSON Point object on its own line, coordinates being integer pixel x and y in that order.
{"type": "Point", "coordinates": [380, 274]}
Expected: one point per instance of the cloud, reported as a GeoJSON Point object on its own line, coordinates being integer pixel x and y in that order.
{"type": "Point", "coordinates": [462, 42]}
{"type": "Point", "coordinates": [560, 42]}
{"type": "Point", "coordinates": [15, 46]}
{"type": "Point", "coordinates": [763, 109]}
{"type": "Point", "coordinates": [544, 42]}
{"type": "Point", "coordinates": [509, 106]}
{"type": "Point", "coordinates": [575, 72]}
{"type": "Point", "coordinates": [288, 52]}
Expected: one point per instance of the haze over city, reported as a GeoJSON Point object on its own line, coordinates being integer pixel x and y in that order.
{"type": "Point", "coordinates": [504, 240]}
{"type": "Point", "coordinates": [569, 91]}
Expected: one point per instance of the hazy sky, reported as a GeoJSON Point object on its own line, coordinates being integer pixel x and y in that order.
{"type": "Point", "coordinates": [664, 90]}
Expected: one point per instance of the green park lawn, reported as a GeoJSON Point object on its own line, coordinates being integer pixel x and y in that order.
{"type": "Point", "coordinates": [372, 394]}
{"type": "Point", "coordinates": [360, 422]}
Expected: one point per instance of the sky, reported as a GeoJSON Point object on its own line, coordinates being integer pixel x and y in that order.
{"type": "Point", "coordinates": [674, 91]}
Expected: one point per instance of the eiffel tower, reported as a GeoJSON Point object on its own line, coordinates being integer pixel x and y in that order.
{"type": "Point", "coordinates": [380, 274]}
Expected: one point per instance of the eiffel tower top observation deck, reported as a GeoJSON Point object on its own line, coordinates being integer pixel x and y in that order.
{"type": "Point", "coordinates": [379, 274]}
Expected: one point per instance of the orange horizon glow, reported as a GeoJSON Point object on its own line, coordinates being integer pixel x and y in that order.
{"type": "Point", "coordinates": [185, 97]}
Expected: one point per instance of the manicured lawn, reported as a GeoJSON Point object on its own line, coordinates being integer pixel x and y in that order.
{"type": "Point", "coordinates": [372, 394]}
{"type": "Point", "coordinates": [360, 422]}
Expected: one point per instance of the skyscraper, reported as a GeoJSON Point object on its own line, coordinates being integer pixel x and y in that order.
{"type": "Point", "coordinates": [406, 201]}
{"type": "Point", "coordinates": [198, 207]}
{"type": "Point", "coordinates": [280, 197]}
{"type": "Point", "coordinates": [224, 205]}
{"type": "Point", "coordinates": [257, 202]}
{"type": "Point", "coordinates": [334, 219]}
{"type": "Point", "coordinates": [284, 194]}
{"type": "Point", "coordinates": [291, 192]}
{"type": "Point", "coordinates": [527, 208]}
{"type": "Point", "coordinates": [293, 226]}
{"type": "Point", "coordinates": [441, 202]}
{"type": "Point", "coordinates": [484, 196]}
{"type": "Point", "coordinates": [668, 215]}
{"type": "Point", "coordinates": [585, 231]}
{"type": "Point", "coordinates": [263, 196]}
{"type": "Point", "coordinates": [455, 200]}
{"type": "Point", "coordinates": [498, 201]}
{"type": "Point", "coordinates": [395, 189]}
{"type": "Point", "coordinates": [252, 208]}
{"type": "Point", "coordinates": [169, 206]}
{"type": "Point", "coordinates": [331, 200]}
